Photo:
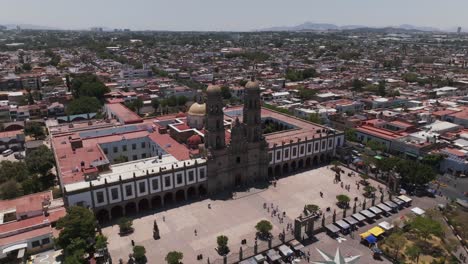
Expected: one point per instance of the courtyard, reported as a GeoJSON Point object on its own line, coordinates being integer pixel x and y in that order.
{"type": "Point", "coordinates": [236, 217]}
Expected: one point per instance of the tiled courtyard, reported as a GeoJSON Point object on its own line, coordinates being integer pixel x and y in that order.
{"type": "Point", "coordinates": [235, 218]}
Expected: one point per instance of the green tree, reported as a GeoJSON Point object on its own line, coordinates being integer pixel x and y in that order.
{"type": "Point", "coordinates": [395, 241]}
{"type": "Point", "coordinates": [83, 105]}
{"type": "Point", "coordinates": [381, 89]}
{"type": "Point", "coordinates": [357, 85]}
{"type": "Point", "coordinates": [181, 100]}
{"type": "Point", "coordinates": [155, 103]}
{"type": "Point", "coordinates": [369, 191]}
{"type": "Point", "coordinates": [225, 92]}
{"type": "Point", "coordinates": [174, 257]}
{"type": "Point", "coordinates": [40, 160]}
{"type": "Point", "coordinates": [26, 67]}
{"type": "Point", "coordinates": [125, 225]}
{"type": "Point", "coordinates": [10, 189]}
{"type": "Point", "coordinates": [264, 227]}
{"type": "Point", "coordinates": [306, 94]}
{"type": "Point", "coordinates": [137, 104]}
{"type": "Point", "coordinates": [350, 134]}
{"type": "Point", "coordinates": [88, 85]}
{"type": "Point", "coordinates": [375, 145]}
{"type": "Point", "coordinates": [172, 101]}
{"type": "Point", "coordinates": [222, 242]}
{"type": "Point", "coordinates": [315, 118]}
{"type": "Point", "coordinates": [120, 159]}
{"type": "Point", "coordinates": [34, 129]}
{"type": "Point", "coordinates": [413, 252]}
{"type": "Point", "coordinates": [77, 225]}
{"type": "Point", "coordinates": [139, 254]}
{"type": "Point", "coordinates": [101, 242]}
{"type": "Point", "coordinates": [426, 227]}
{"type": "Point", "coordinates": [13, 170]}
{"type": "Point", "coordinates": [312, 208]}
{"type": "Point", "coordinates": [343, 200]}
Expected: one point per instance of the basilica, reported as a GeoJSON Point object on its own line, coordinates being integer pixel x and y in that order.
{"type": "Point", "coordinates": [126, 164]}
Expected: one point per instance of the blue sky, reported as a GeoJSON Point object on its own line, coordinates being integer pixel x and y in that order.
{"type": "Point", "coordinates": [232, 14]}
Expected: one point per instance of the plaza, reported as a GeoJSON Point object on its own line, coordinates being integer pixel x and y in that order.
{"type": "Point", "coordinates": [235, 217]}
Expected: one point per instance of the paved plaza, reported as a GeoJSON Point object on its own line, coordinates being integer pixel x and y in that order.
{"type": "Point", "coordinates": [235, 218]}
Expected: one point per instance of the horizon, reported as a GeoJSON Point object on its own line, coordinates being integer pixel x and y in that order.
{"type": "Point", "coordinates": [240, 16]}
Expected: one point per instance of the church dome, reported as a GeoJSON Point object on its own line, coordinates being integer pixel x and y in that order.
{"type": "Point", "coordinates": [213, 89]}
{"type": "Point", "coordinates": [194, 141]}
{"type": "Point", "coordinates": [180, 115]}
{"type": "Point", "coordinates": [197, 109]}
{"type": "Point", "coordinates": [252, 85]}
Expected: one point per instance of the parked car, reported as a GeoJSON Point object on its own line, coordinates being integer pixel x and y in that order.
{"type": "Point", "coordinates": [7, 152]}
{"type": "Point", "coordinates": [19, 156]}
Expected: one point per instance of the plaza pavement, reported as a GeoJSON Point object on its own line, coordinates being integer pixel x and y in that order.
{"type": "Point", "coordinates": [235, 218]}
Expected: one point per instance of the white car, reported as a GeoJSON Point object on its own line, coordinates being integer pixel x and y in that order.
{"type": "Point", "coordinates": [7, 152]}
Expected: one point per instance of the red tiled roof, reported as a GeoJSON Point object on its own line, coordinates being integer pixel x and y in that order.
{"type": "Point", "coordinates": [124, 114]}
{"type": "Point", "coordinates": [26, 235]}
{"type": "Point", "coordinates": [26, 203]}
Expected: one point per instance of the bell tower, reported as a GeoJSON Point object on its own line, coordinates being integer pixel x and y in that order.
{"type": "Point", "coordinates": [252, 112]}
{"type": "Point", "coordinates": [214, 125]}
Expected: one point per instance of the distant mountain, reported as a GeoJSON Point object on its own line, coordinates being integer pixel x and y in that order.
{"type": "Point", "coordinates": [325, 27]}
{"type": "Point", "coordinates": [30, 26]}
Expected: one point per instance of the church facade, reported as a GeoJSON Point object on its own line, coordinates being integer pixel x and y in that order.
{"type": "Point", "coordinates": [245, 159]}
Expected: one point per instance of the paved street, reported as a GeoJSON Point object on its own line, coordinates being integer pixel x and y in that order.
{"type": "Point", "coordinates": [235, 218]}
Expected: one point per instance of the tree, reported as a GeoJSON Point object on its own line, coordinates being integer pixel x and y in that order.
{"type": "Point", "coordinates": [77, 226]}
{"type": "Point", "coordinates": [315, 118]}
{"type": "Point", "coordinates": [101, 242]}
{"type": "Point", "coordinates": [395, 241]}
{"type": "Point", "coordinates": [10, 189]}
{"type": "Point", "coordinates": [181, 100]}
{"type": "Point", "coordinates": [312, 208]}
{"type": "Point", "coordinates": [343, 200]}
{"type": "Point", "coordinates": [34, 129]}
{"type": "Point", "coordinates": [26, 67]}
{"type": "Point", "coordinates": [350, 134]}
{"type": "Point", "coordinates": [88, 85]}
{"type": "Point", "coordinates": [369, 191]}
{"type": "Point", "coordinates": [357, 85]}
{"type": "Point", "coordinates": [13, 170]}
{"type": "Point", "coordinates": [426, 227]}
{"type": "Point", "coordinates": [381, 89]}
{"type": "Point", "coordinates": [139, 254]}
{"type": "Point", "coordinates": [375, 145]}
{"type": "Point", "coordinates": [306, 94]}
{"type": "Point", "coordinates": [137, 104]}
{"type": "Point", "coordinates": [125, 225]}
{"type": "Point", "coordinates": [120, 159]}
{"type": "Point", "coordinates": [222, 242]}
{"type": "Point", "coordinates": [413, 252]}
{"type": "Point", "coordinates": [174, 257]}
{"type": "Point", "coordinates": [225, 93]}
{"type": "Point", "coordinates": [155, 103]}
{"type": "Point", "coordinates": [83, 105]}
{"type": "Point", "coordinates": [40, 160]}
{"type": "Point", "coordinates": [171, 101]}
{"type": "Point", "coordinates": [264, 227]}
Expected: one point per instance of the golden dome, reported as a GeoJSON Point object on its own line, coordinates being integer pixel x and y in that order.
{"type": "Point", "coordinates": [213, 89]}
{"type": "Point", "coordinates": [197, 109]}
{"type": "Point", "coordinates": [252, 85]}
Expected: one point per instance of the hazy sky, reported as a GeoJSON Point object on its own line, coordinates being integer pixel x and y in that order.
{"type": "Point", "coordinates": [232, 14]}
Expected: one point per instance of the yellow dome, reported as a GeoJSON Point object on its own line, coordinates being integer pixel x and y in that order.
{"type": "Point", "coordinates": [212, 89]}
{"type": "Point", "coordinates": [197, 109]}
{"type": "Point", "coordinates": [252, 85]}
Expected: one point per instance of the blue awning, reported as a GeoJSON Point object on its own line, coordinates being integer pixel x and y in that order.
{"type": "Point", "coordinates": [371, 239]}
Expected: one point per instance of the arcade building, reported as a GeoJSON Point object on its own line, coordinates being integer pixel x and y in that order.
{"type": "Point", "coordinates": [118, 167]}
